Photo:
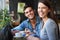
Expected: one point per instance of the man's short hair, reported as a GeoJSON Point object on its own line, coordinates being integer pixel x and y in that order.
{"type": "Point", "coordinates": [26, 6]}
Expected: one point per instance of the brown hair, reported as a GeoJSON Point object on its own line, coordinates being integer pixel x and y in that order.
{"type": "Point", "coordinates": [51, 13]}
{"type": "Point", "coordinates": [26, 6]}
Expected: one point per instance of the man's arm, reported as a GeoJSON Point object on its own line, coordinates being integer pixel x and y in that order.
{"type": "Point", "coordinates": [18, 28]}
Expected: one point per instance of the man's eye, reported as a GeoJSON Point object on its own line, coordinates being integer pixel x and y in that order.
{"type": "Point", "coordinates": [26, 12]}
{"type": "Point", "coordinates": [30, 10]}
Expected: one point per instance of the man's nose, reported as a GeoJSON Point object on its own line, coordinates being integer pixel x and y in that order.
{"type": "Point", "coordinates": [29, 12]}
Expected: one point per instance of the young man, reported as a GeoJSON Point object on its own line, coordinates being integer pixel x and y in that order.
{"type": "Point", "coordinates": [30, 25]}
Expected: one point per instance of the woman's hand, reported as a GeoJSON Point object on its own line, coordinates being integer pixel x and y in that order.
{"type": "Point", "coordinates": [27, 31]}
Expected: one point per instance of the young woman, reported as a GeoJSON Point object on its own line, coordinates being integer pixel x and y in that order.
{"type": "Point", "coordinates": [49, 27]}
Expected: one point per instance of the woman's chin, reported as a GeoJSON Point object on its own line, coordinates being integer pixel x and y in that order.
{"type": "Point", "coordinates": [41, 16]}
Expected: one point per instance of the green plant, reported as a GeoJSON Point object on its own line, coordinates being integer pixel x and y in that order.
{"type": "Point", "coordinates": [4, 17]}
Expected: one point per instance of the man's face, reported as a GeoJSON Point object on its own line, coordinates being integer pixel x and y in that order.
{"type": "Point", "coordinates": [29, 13]}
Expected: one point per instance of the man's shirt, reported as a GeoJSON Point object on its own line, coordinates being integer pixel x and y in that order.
{"type": "Point", "coordinates": [27, 24]}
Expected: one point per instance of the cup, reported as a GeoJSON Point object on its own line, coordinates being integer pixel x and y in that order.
{"type": "Point", "coordinates": [18, 34]}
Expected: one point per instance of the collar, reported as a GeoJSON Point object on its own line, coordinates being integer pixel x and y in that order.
{"type": "Point", "coordinates": [37, 20]}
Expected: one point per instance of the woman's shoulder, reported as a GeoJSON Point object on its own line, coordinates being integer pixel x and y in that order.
{"type": "Point", "coordinates": [50, 24]}
{"type": "Point", "coordinates": [50, 20]}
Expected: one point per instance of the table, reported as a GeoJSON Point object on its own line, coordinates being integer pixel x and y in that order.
{"type": "Point", "coordinates": [19, 38]}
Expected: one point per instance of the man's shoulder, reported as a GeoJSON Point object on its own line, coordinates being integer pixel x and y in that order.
{"type": "Point", "coordinates": [38, 19]}
{"type": "Point", "coordinates": [25, 21]}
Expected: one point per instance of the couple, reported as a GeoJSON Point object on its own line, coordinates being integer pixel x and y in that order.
{"type": "Point", "coordinates": [43, 27]}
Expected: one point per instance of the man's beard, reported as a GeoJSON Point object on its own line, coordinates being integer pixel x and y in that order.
{"type": "Point", "coordinates": [32, 18]}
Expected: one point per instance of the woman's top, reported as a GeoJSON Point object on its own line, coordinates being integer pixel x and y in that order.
{"type": "Point", "coordinates": [49, 31]}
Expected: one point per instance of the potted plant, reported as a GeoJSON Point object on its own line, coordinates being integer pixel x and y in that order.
{"type": "Point", "coordinates": [4, 18]}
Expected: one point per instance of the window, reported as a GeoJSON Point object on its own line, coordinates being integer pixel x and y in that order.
{"type": "Point", "coordinates": [20, 7]}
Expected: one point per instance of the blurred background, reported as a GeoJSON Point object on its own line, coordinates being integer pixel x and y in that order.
{"type": "Point", "coordinates": [11, 14]}
{"type": "Point", "coordinates": [15, 7]}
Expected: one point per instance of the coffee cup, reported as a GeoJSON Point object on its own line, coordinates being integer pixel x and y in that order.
{"type": "Point", "coordinates": [20, 34]}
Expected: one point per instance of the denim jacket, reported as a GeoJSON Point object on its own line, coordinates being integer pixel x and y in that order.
{"type": "Point", "coordinates": [27, 24]}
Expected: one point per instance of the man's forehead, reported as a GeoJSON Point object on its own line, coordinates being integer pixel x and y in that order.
{"type": "Point", "coordinates": [28, 8]}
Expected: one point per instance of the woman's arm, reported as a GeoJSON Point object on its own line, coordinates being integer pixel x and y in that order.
{"type": "Point", "coordinates": [52, 30]}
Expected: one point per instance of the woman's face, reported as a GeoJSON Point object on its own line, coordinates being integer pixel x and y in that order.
{"type": "Point", "coordinates": [42, 10]}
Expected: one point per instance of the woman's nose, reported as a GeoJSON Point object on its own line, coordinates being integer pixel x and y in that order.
{"type": "Point", "coordinates": [40, 10]}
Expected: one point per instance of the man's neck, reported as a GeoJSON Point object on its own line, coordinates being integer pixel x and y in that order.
{"type": "Point", "coordinates": [33, 22]}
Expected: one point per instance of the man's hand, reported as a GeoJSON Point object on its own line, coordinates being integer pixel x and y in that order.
{"type": "Point", "coordinates": [14, 31]}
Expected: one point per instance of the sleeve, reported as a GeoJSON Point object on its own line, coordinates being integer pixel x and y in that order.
{"type": "Point", "coordinates": [35, 35]}
{"type": "Point", "coordinates": [52, 32]}
{"type": "Point", "coordinates": [20, 27]}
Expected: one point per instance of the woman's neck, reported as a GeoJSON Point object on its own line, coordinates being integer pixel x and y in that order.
{"type": "Point", "coordinates": [44, 19]}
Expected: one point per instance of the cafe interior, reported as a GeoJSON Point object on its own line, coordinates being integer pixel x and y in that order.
{"type": "Point", "coordinates": [16, 7]}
